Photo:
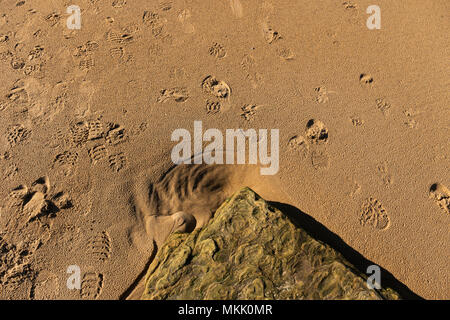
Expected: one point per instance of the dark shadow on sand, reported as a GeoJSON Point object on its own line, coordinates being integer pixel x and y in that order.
{"type": "Point", "coordinates": [320, 232]}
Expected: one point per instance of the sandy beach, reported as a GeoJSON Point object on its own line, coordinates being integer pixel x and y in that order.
{"type": "Point", "coordinates": [355, 122]}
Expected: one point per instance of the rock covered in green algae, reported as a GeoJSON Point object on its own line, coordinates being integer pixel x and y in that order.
{"type": "Point", "coordinates": [252, 251]}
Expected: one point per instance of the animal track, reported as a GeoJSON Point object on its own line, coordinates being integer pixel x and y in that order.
{"type": "Point", "coordinates": [217, 50]}
{"type": "Point", "coordinates": [117, 162]}
{"type": "Point", "coordinates": [373, 214]}
{"type": "Point", "coordinates": [365, 79]}
{"type": "Point", "coordinates": [249, 111]}
{"type": "Point", "coordinates": [91, 285]}
{"type": "Point", "coordinates": [270, 35]}
{"type": "Point", "coordinates": [440, 194]}
{"type": "Point", "coordinates": [178, 94]}
{"type": "Point", "coordinates": [316, 131]}
{"type": "Point", "coordinates": [217, 88]}
{"type": "Point", "coordinates": [99, 246]}
{"type": "Point", "coordinates": [98, 153]}
{"type": "Point", "coordinates": [357, 122]}
{"type": "Point", "coordinates": [213, 107]}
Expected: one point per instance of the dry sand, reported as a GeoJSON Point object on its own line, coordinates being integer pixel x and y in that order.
{"type": "Point", "coordinates": [86, 118]}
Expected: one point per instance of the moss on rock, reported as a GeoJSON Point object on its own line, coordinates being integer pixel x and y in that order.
{"type": "Point", "coordinates": [250, 250]}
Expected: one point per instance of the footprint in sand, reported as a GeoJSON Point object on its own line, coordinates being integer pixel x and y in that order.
{"type": "Point", "coordinates": [349, 5]}
{"type": "Point", "coordinates": [45, 286]}
{"type": "Point", "coordinates": [320, 159]}
{"type": "Point", "coordinates": [53, 18]}
{"type": "Point", "coordinates": [316, 131]}
{"type": "Point", "coordinates": [374, 215]}
{"type": "Point", "coordinates": [18, 94]}
{"type": "Point", "coordinates": [98, 153]}
{"type": "Point", "coordinates": [411, 122]}
{"type": "Point", "coordinates": [312, 144]}
{"type": "Point", "coordinates": [217, 50]}
{"type": "Point", "coordinates": [16, 268]}
{"type": "Point", "coordinates": [322, 94]}
{"type": "Point", "coordinates": [66, 159]}
{"type": "Point", "coordinates": [79, 133]}
{"type": "Point", "coordinates": [91, 285]}
{"type": "Point", "coordinates": [156, 23]}
{"type": "Point", "coordinates": [299, 143]}
{"type": "Point", "coordinates": [356, 121]}
{"type": "Point", "coordinates": [386, 177]}
{"type": "Point", "coordinates": [116, 134]}
{"type": "Point", "coordinates": [285, 53]}
{"type": "Point", "coordinates": [383, 105]}
{"type": "Point", "coordinates": [117, 162]}
{"type": "Point", "coordinates": [217, 88]}
{"type": "Point", "coordinates": [86, 49]}
{"type": "Point", "coordinates": [213, 107]}
{"type": "Point", "coordinates": [269, 34]}
{"type": "Point", "coordinates": [177, 94]}
{"type": "Point", "coordinates": [119, 37]}
{"type": "Point", "coordinates": [366, 79]}
{"type": "Point", "coordinates": [236, 8]}
{"type": "Point", "coordinates": [117, 53]}
{"type": "Point", "coordinates": [249, 66]}
{"type": "Point", "coordinates": [118, 3]}
{"type": "Point", "coordinates": [99, 246]}
{"type": "Point", "coordinates": [17, 134]}
{"type": "Point", "coordinates": [249, 111]}
{"type": "Point", "coordinates": [165, 6]}
{"type": "Point", "coordinates": [441, 195]}
{"type": "Point", "coordinates": [184, 18]}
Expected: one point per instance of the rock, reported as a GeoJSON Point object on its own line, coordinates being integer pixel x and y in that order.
{"type": "Point", "coordinates": [250, 250]}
